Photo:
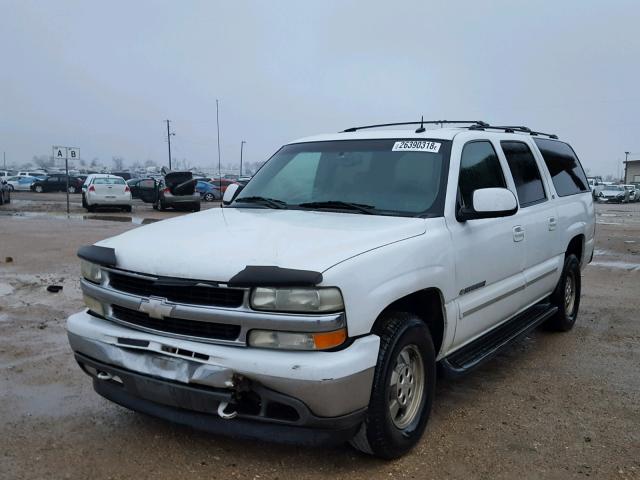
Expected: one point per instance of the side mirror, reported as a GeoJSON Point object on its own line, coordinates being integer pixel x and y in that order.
{"type": "Point", "coordinates": [489, 203]}
{"type": "Point", "coordinates": [231, 193]}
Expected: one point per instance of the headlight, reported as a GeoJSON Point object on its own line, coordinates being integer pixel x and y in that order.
{"type": "Point", "coordinates": [93, 304]}
{"type": "Point", "coordinates": [91, 271]}
{"type": "Point", "coordinates": [305, 300]}
{"type": "Point", "coordinates": [297, 341]}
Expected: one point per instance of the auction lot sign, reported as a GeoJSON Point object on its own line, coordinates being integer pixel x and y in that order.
{"type": "Point", "coordinates": [65, 153]}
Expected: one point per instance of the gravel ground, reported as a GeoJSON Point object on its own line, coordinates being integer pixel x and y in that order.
{"type": "Point", "coordinates": [551, 406]}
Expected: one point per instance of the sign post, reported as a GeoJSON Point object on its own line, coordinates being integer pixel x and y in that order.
{"type": "Point", "coordinates": [66, 153]}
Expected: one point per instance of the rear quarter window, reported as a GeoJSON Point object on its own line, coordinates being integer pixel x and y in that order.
{"type": "Point", "coordinates": [563, 165]}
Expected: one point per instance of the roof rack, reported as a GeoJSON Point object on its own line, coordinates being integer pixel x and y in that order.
{"type": "Point", "coordinates": [473, 125]}
{"type": "Point", "coordinates": [478, 123]}
{"type": "Point", "coordinates": [513, 129]}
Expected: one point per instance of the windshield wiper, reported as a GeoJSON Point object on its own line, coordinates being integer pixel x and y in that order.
{"type": "Point", "coordinates": [267, 202]}
{"type": "Point", "coordinates": [338, 204]}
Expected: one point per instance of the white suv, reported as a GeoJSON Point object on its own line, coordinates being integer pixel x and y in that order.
{"type": "Point", "coordinates": [330, 288]}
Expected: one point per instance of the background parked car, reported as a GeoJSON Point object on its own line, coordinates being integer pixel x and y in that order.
{"type": "Point", "coordinates": [5, 192]}
{"type": "Point", "coordinates": [107, 191]}
{"type": "Point", "coordinates": [57, 183]}
{"type": "Point", "coordinates": [223, 183]}
{"type": "Point", "coordinates": [614, 194]}
{"type": "Point", "coordinates": [32, 173]}
{"type": "Point", "coordinates": [634, 193]}
{"type": "Point", "coordinates": [208, 191]}
{"type": "Point", "coordinates": [175, 190]}
{"type": "Point", "coordinates": [20, 183]}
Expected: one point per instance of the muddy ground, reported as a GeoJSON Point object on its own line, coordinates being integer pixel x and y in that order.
{"type": "Point", "coordinates": [551, 406]}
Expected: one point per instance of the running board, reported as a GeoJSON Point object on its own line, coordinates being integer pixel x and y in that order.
{"type": "Point", "coordinates": [485, 347]}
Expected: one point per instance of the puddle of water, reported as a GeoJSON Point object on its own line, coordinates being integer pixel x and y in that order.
{"type": "Point", "coordinates": [82, 217]}
{"type": "Point", "coordinates": [608, 215]}
{"type": "Point", "coordinates": [629, 267]}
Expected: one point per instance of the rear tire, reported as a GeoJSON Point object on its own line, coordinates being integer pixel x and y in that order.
{"type": "Point", "coordinates": [196, 208]}
{"type": "Point", "coordinates": [39, 189]}
{"type": "Point", "coordinates": [127, 208]}
{"type": "Point", "coordinates": [10, 188]}
{"type": "Point", "coordinates": [91, 208]}
{"type": "Point", "coordinates": [566, 296]}
{"type": "Point", "coordinates": [209, 197]}
{"type": "Point", "coordinates": [403, 388]}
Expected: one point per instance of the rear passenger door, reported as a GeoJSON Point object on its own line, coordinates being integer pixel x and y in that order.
{"type": "Point", "coordinates": [539, 220]}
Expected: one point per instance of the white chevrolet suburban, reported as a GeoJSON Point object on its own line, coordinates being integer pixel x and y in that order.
{"type": "Point", "coordinates": [320, 304]}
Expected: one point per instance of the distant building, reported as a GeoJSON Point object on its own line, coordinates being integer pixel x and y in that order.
{"type": "Point", "coordinates": [632, 171]}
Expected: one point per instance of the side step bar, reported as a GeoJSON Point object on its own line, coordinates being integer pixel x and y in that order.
{"type": "Point", "coordinates": [485, 347]}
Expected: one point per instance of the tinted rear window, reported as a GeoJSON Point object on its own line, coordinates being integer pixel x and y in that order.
{"type": "Point", "coordinates": [108, 181]}
{"type": "Point", "coordinates": [524, 170]}
{"type": "Point", "coordinates": [563, 164]}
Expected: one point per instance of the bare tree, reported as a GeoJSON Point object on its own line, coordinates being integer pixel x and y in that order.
{"type": "Point", "coordinates": [118, 163]}
{"type": "Point", "coordinates": [43, 161]}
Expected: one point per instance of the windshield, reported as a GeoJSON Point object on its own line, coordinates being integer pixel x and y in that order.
{"type": "Point", "coordinates": [381, 177]}
{"type": "Point", "coordinates": [615, 188]}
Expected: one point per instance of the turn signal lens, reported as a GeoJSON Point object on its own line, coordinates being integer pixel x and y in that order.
{"type": "Point", "coordinates": [323, 341]}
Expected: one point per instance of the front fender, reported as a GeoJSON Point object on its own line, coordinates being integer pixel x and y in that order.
{"type": "Point", "coordinates": [370, 282]}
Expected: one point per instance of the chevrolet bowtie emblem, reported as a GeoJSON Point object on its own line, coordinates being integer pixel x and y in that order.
{"type": "Point", "coordinates": [156, 308]}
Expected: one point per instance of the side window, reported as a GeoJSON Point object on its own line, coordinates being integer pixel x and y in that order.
{"type": "Point", "coordinates": [526, 174]}
{"type": "Point", "coordinates": [479, 168]}
{"type": "Point", "coordinates": [564, 167]}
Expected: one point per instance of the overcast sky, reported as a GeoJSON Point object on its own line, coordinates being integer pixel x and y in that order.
{"type": "Point", "coordinates": [104, 76]}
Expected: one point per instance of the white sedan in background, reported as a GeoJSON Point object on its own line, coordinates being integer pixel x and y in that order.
{"type": "Point", "coordinates": [104, 190]}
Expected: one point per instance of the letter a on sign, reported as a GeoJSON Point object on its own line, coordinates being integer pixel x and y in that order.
{"type": "Point", "coordinates": [61, 153]}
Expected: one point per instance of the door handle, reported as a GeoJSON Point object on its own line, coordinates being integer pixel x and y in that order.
{"type": "Point", "coordinates": [518, 233]}
{"type": "Point", "coordinates": [552, 223]}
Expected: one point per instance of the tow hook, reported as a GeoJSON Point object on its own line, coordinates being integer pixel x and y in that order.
{"type": "Point", "coordinates": [104, 376]}
{"type": "Point", "coordinates": [226, 416]}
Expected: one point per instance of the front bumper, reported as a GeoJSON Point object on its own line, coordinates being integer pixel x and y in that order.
{"type": "Point", "coordinates": [316, 390]}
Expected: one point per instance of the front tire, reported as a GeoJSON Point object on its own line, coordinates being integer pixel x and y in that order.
{"type": "Point", "coordinates": [39, 189]}
{"type": "Point", "coordinates": [566, 296]}
{"type": "Point", "coordinates": [403, 387]}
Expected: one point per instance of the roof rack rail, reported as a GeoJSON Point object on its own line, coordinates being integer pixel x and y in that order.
{"type": "Point", "coordinates": [421, 129]}
{"type": "Point", "coordinates": [513, 129]}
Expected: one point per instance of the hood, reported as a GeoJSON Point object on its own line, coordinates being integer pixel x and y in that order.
{"type": "Point", "coordinates": [613, 193]}
{"type": "Point", "coordinates": [218, 243]}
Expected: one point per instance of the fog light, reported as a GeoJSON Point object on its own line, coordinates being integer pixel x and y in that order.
{"type": "Point", "coordinates": [93, 304]}
{"type": "Point", "coordinates": [297, 340]}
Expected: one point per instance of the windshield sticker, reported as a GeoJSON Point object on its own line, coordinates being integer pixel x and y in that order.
{"type": "Point", "coordinates": [416, 146]}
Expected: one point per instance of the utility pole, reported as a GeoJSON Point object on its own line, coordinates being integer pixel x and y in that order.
{"type": "Point", "coordinates": [4, 159]}
{"type": "Point", "coordinates": [626, 163]}
{"type": "Point", "coordinates": [241, 145]}
{"type": "Point", "coordinates": [219, 160]}
{"type": "Point", "coordinates": [169, 141]}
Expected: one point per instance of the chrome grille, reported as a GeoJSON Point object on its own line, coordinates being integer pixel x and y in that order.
{"type": "Point", "coordinates": [176, 290]}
